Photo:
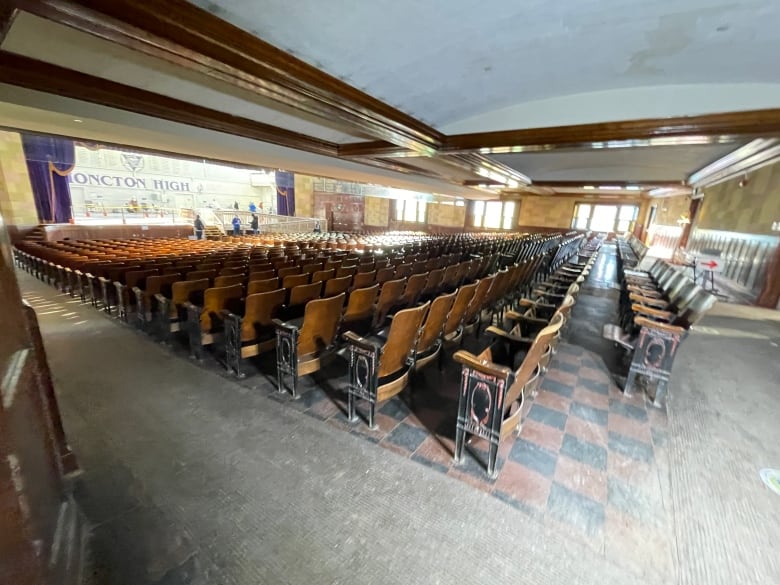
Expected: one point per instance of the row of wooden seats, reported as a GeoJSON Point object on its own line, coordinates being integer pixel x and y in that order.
{"type": "Point", "coordinates": [657, 310]}
{"type": "Point", "coordinates": [496, 381]}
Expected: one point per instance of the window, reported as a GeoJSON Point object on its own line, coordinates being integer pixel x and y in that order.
{"type": "Point", "coordinates": [493, 214]}
{"type": "Point", "coordinates": [604, 218]}
{"type": "Point", "coordinates": [410, 210]}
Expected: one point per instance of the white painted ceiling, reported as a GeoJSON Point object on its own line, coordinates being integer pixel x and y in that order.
{"type": "Point", "coordinates": [449, 62]}
{"type": "Point", "coordinates": [630, 165]}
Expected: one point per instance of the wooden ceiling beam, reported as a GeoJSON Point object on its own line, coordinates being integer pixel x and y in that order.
{"type": "Point", "coordinates": [183, 34]}
{"type": "Point", "coordinates": [600, 184]}
{"type": "Point", "coordinates": [39, 76]}
{"type": "Point", "coordinates": [704, 128]}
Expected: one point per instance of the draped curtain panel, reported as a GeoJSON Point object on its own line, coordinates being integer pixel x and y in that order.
{"type": "Point", "coordinates": [285, 193]}
{"type": "Point", "coordinates": [49, 162]}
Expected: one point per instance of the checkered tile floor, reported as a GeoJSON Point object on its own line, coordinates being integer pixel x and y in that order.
{"type": "Point", "coordinates": [588, 460]}
{"type": "Point", "coordinates": [585, 457]}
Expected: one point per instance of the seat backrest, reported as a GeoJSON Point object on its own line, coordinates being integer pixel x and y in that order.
{"type": "Point", "coordinates": [322, 275]}
{"type": "Point", "coordinates": [346, 271]}
{"type": "Point", "coordinates": [414, 288]}
{"type": "Point", "coordinates": [321, 320]}
{"type": "Point", "coordinates": [401, 339]}
{"type": "Point", "coordinates": [434, 322]}
{"type": "Point", "coordinates": [261, 275]}
{"type": "Point", "coordinates": [201, 274]}
{"type": "Point", "coordinates": [364, 279]}
{"type": "Point", "coordinates": [336, 286]}
{"type": "Point", "coordinates": [221, 281]}
{"type": "Point", "coordinates": [139, 277]}
{"type": "Point", "coordinates": [158, 284]}
{"type": "Point", "coordinates": [216, 299]}
{"type": "Point", "coordinates": [699, 303]}
{"type": "Point", "coordinates": [293, 280]}
{"type": "Point", "coordinates": [260, 286]}
{"type": "Point", "coordinates": [361, 302]}
{"type": "Point", "coordinates": [463, 297]}
{"type": "Point", "coordinates": [302, 294]}
{"type": "Point", "coordinates": [385, 274]}
{"type": "Point", "coordinates": [389, 295]}
{"type": "Point", "coordinates": [182, 291]}
{"type": "Point", "coordinates": [230, 271]}
{"type": "Point", "coordinates": [478, 300]}
{"type": "Point", "coordinates": [403, 270]}
{"type": "Point", "coordinates": [287, 271]}
{"type": "Point", "coordinates": [259, 311]}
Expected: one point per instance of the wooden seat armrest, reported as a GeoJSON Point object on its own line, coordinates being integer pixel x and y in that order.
{"type": "Point", "coordinates": [482, 365]}
{"type": "Point", "coordinates": [642, 322]}
{"type": "Point", "coordinates": [161, 298]}
{"type": "Point", "coordinates": [648, 292]}
{"type": "Point", "coordinates": [636, 273]}
{"type": "Point", "coordinates": [362, 342]}
{"type": "Point", "coordinates": [643, 310]}
{"type": "Point", "coordinates": [279, 324]}
{"type": "Point", "coordinates": [518, 317]}
{"type": "Point", "coordinates": [188, 306]}
{"type": "Point", "coordinates": [637, 298]}
{"type": "Point", "coordinates": [527, 303]}
{"type": "Point", "coordinates": [493, 330]}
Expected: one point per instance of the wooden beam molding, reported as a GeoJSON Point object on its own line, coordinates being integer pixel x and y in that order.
{"type": "Point", "coordinates": [39, 76]}
{"type": "Point", "coordinates": [187, 36]}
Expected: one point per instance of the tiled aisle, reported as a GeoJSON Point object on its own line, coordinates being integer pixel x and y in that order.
{"type": "Point", "coordinates": [586, 459]}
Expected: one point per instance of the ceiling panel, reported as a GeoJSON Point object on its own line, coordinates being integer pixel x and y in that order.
{"type": "Point", "coordinates": [69, 48]}
{"type": "Point", "coordinates": [447, 61]}
{"type": "Point", "coordinates": [652, 163]}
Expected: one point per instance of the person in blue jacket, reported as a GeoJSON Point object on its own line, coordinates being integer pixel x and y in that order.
{"type": "Point", "coordinates": [252, 207]}
{"type": "Point", "coordinates": [236, 226]}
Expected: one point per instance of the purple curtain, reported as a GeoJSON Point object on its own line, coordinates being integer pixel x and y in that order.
{"type": "Point", "coordinates": [285, 193]}
{"type": "Point", "coordinates": [49, 162]}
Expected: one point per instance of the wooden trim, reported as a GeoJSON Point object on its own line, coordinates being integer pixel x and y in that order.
{"type": "Point", "coordinates": [183, 34]}
{"type": "Point", "coordinates": [40, 76]}
{"type": "Point", "coordinates": [725, 127]}
{"type": "Point", "coordinates": [643, 185]}
{"type": "Point", "coordinates": [8, 12]}
{"type": "Point", "coordinates": [703, 129]}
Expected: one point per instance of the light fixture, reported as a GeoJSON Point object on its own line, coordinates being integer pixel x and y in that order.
{"type": "Point", "coordinates": [77, 120]}
{"type": "Point", "coordinates": [588, 187]}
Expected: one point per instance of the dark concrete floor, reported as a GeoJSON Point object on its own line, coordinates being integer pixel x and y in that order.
{"type": "Point", "coordinates": [191, 477]}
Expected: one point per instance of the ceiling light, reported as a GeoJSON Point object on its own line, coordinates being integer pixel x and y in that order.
{"type": "Point", "coordinates": [513, 184]}
{"type": "Point", "coordinates": [77, 120]}
{"type": "Point", "coordinates": [633, 188]}
{"type": "Point", "coordinates": [588, 187]}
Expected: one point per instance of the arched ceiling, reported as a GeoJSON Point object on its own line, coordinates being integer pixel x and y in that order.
{"type": "Point", "coordinates": [449, 61]}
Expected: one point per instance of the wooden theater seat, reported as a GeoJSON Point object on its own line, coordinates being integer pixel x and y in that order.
{"type": "Point", "coordinates": [222, 281]}
{"type": "Point", "coordinates": [145, 303]}
{"type": "Point", "coordinates": [299, 349]}
{"type": "Point", "coordinates": [378, 371]}
{"type": "Point", "coordinates": [258, 286]}
{"type": "Point", "coordinates": [205, 323]}
{"type": "Point", "coordinates": [429, 345]}
{"type": "Point", "coordinates": [252, 332]}
{"type": "Point", "coordinates": [297, 299]}
{"type": "Point", "coordinates": [389, 297]}
{"type": "Point", "coordinates": [171, 312]}
{"type": "Point", "coordinates": [491, 403]}
{"type": "Point", "coordinates": [336, 286]}
{"type": "Point", "coordinates": [359, 314]}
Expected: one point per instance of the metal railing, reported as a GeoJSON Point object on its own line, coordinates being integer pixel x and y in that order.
{"type": "Point", "coordinates": [125, 214]}
{"type": "Point", "coordinates": [746, 256]}
{"type": "Point", "coordinates": [267, 223]}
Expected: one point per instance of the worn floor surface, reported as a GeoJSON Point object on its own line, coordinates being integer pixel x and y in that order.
{"type": "Point", "coordinates": [191, 477]}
